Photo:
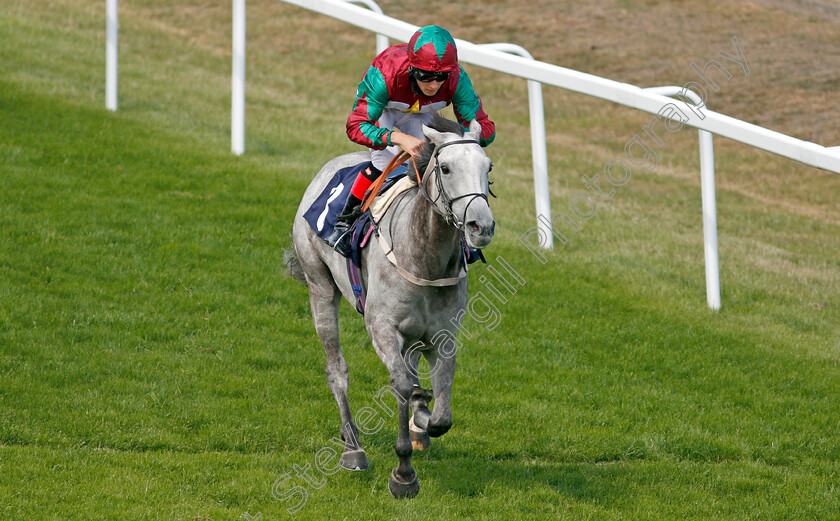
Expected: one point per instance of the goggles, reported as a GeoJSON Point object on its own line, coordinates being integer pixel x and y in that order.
{"type": "Point", "coordinates": [427, 76]}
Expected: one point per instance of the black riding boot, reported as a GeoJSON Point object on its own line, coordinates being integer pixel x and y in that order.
{"type": "Point", "coordinates": [340, 238]}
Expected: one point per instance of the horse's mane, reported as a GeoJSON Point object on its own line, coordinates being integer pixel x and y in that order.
{"type": "Point", "coordinates": [441, 124]}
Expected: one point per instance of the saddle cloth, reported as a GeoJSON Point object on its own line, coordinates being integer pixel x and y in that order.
{"type": "Point", "coordinates": [323, 212]}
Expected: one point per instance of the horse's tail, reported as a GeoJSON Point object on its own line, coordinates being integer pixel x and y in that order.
{"type": "Point", "coordinates": [293, 268]}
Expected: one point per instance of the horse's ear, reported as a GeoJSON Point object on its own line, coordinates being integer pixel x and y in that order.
{"type": "Point", "coordinates": [433, 135]}
{"type": "Point", "coordinates": [475, 129]}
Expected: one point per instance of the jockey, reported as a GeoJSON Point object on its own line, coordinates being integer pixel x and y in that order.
{"type": "Point", "coordinates": [402, 89]}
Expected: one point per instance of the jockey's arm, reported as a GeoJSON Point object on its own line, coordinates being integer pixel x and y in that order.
{"type": "Point", "coordinates": [467, 106]}
{"type": "Point", "coordinates": [371, 98]}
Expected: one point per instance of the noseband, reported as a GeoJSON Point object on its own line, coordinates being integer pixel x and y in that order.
{"type": "Point", "coordinates": [434, 167]}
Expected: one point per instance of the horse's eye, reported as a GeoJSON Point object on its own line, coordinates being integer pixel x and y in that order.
{"type": "Point", "coordinates": [444, 169]}
{"type": "Point", "coordinates": [490, 169]}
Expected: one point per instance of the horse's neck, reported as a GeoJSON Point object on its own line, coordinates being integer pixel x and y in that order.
{"type": "Point", "coordinates": [432, 245]}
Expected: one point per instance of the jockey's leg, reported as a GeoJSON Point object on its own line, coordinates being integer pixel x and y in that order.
{"type": "Point", "coordinates": [411, 124]}
{"type": "Point", "coordinates": [340, 239]}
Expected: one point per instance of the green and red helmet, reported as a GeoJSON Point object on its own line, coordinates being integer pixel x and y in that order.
{"type": "Point", "coordinates": [433, 49]}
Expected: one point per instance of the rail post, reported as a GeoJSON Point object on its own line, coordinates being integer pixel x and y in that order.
{"type": "Point", "coordinates": [539, 156]}
{"type": "Point", "coordinates": [707, 194]}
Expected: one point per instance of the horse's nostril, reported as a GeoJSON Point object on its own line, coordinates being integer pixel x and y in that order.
{"type": "Point", "coordinates": [481, 228]}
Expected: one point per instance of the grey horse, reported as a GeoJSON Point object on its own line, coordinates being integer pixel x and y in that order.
{"type": "Point", "coordinates": [403, 316]}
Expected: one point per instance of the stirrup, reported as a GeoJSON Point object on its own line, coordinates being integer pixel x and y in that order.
{"type": "Point", "coordinates": [340, 230]}
{"type": "Point", "coordinates": [342, 244]}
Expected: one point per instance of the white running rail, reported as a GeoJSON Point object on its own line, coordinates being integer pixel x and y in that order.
{"type": "Point", "coordinates": [496, 57]}
{"type": "Point", "coordinates": [381, 39]}
{"type": "Point", "coordinates": [539, 156]}
{"type": "Point", "coordinates": [237, 88]}
{"type": "Point", "coordinates": [625, 94]}
{"type": "Point", "coordinates": [514, 60]}
{"type": "Point", "coordinates": [707, 194]}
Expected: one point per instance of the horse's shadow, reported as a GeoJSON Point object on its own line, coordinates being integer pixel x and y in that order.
{"type": "Point", "coordinates": [585, 481]}
{"type": "Point", "coordinates": [469, 475]}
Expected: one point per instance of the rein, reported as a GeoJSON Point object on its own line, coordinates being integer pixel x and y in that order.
{"type": "Point", "coordinates": [396, 161]}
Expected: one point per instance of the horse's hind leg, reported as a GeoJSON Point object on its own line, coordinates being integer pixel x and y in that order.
{"type": "Point", "coordinates": [324, 300]}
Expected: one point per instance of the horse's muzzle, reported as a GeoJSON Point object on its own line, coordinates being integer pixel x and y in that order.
{"type": "Point", "coordinates": [480, 232]}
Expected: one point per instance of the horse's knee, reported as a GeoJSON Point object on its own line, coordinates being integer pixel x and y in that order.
{"type": "Point", "coordinates": [339, 386]}
{"type": "Point", "coordinates": [404, 387]}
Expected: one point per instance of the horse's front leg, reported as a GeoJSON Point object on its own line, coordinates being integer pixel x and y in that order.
{"type": "Point", "coordinates": [423, 423]}
{"type": "Point", "coordinates": [403, 482]}
{"type": "Point", "coordinates": [442, 366]}
{"type": "Point", "coordinates": [388, 345]}
{"type": "Point", "coordinates": [420, 399]}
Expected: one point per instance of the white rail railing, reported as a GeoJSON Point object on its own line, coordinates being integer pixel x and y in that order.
{"type": "Point", "coordinates": [625, 94]}
{"type": "Point", "coordinates": [498, 57]}
{"type": "Point", "coordinates": [539, 156]}
{"type": "Point", "coordinates": [381, 39]}
{"type": "Point", "coordinates": [707, 194]}
{"type": "Point", "coordinates": [652, 100]}
{"type": "Point", "coordinates": [237, 109]}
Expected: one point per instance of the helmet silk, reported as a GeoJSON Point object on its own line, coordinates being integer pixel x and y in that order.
{"type": "Point", "coordinates": [432, 48]}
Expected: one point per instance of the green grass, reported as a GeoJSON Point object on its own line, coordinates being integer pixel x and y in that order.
{"type": "Point", "coordinates": [156, 364]}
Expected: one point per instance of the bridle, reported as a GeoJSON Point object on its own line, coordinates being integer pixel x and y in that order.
{"type": "Point", "coordinates": [434, 167]}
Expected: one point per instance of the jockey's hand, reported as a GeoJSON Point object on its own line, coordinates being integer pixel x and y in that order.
{"type": "Point", "coordinates": [409, 143]}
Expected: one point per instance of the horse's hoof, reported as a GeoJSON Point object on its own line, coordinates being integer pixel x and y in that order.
{"type": "Point", "coordinates": [403, 490]}
{"type": "Point", "coordinates": [354, 460]}
{"type": "Point", "coordinates": [419, 439]}
{"type": "Point", "coordinates": [436, 431]}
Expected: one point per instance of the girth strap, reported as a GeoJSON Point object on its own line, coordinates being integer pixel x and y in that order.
{"type": "Point", "coordinates": [357, 285]}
